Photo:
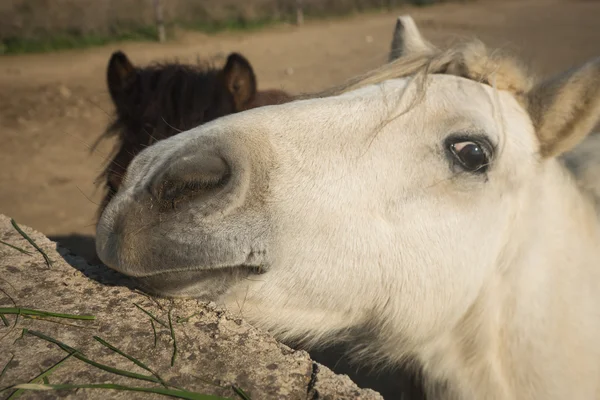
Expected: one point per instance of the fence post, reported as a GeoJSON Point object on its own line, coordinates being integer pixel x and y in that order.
{"type": "Point", "coordinates": [160, 22]}
{"type": "Point", "coordinates": [299, 13]}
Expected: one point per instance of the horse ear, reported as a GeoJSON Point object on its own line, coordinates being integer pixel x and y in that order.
{"type": "Point", "coordinates": [407, 39]}
{"type": "Point", "coordinates": [120, 73]}
{"type": "Point", "coordinates": [565, 108]}
{"type": "Point", "coordinates": [239, 79]}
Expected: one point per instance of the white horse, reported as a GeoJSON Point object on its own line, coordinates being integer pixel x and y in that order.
{"type": "Point", "coordinates": [424, 203]}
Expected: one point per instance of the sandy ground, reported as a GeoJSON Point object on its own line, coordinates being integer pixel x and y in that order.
{"type": "Point", "coordinates": [53, 106]}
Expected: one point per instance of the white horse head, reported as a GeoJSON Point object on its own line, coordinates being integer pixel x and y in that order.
{"type": "Point", "coordinates": [422, 202]}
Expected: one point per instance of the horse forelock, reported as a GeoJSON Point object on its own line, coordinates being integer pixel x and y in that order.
{"type": "Point", "coordinates": [470, 60]}
{"type": "Point", "coordinates": [167, 99]}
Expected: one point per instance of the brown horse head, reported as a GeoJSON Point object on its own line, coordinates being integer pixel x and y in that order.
{"type": "Point", "coordinates": [160, 100]}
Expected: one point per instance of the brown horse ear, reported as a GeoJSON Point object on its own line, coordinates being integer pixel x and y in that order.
{"type": "Point", "coordinates": [120, 73]}
{"type": "Point", "coordinates": [565, 108]}
{"type": "Point", "coordinates": [239, 79]}
{"type": "Point", "coordinates": [407, 39]}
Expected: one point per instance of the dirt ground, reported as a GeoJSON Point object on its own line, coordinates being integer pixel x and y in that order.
{"type": "Point", "coordinates": [54, 106]}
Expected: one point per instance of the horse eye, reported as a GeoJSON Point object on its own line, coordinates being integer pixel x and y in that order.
{"type": "Point", "coordinates": [471, 156]}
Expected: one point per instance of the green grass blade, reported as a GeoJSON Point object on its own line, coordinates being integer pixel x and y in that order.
{"type": "Point", "coordinates": [20, 337]}
{"type": "Point", "coordinates": [43, 376]}
{"type": "Point", "coordinates": [127, 356]}
{"type": "Point", "coordinates": [29, 311]}
{"type": "Point", "coordinates": [186, 319]}
{"type": "Point", "coordinates": [30, 240]}
{"type": "Point", "coordinates": [6, 366]}
{"type": "Point", "coordinates": [154, 331]}
{"type": "Point", "coordinates": [77, 354]}
{"type": "Point", "coordinates": [148, 313]}
{"type": "Point", "coordinates": [179, 394]}
{"type": "Point", "coordinates": [4, 320]}
{"type": "Point", "coordinates": [16, 248]}
{"type": "Point", "coordinates": [35, 317]}
{"type": "Point", "coordinates": [11, 328]}
{"type": "Point", "coordinates": [174, 340]}
{"type": "Point", "coordinates": [243, 395]}
{"type": "Point", "coordinates": [130, 358]}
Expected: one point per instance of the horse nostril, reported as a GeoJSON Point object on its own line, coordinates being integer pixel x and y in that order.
{"type": "Point", "coordinates": [190, 177]}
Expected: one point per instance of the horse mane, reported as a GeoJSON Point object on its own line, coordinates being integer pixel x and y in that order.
{"type": "Point", "coordinates": [172, 86]}
{"type": "Point", "coordinates": [470, 60]}
{"type": "Point", "coordinates": [269, 97]}
{"type": "Point", "coordinates": [162, 99]}
{"type": "Point", "coordinates": [164, 102]}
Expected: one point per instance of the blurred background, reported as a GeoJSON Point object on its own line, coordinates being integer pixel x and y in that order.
{"type": "Point", "coordinates": [54, 103]}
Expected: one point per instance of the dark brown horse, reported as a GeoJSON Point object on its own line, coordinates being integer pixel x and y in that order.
{"type": "Point", "coordinates": [160, 100]}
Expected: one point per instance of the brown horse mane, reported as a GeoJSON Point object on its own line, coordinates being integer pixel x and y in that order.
{"type": "Point", "coordinates": [161, 100]}
{"type": "Point", "coordinates": [269, 97]}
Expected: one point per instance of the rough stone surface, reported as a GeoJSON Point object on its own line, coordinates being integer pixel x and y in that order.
{"type": "Point", "coordinates": [214, 348]}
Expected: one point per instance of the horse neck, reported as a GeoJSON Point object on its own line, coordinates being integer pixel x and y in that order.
{"type": "Point", "coordinates": [535, 325]}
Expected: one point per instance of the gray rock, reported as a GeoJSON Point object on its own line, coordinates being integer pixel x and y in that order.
{"type": "Point", "coordinates": [215, 349]}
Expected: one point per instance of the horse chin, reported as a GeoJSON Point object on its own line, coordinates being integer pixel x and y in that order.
{"type": "Point", "coordinates": [205, 284]}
